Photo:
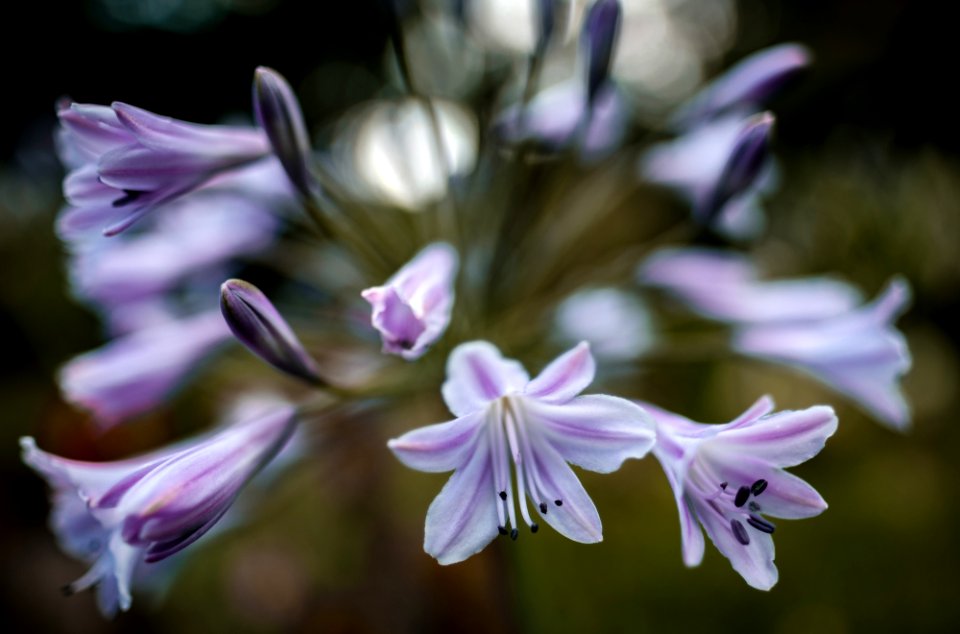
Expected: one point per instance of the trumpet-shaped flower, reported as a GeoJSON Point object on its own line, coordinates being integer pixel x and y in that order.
{"type": "Point", "coordinates": [727, 477]}
{"type": "Point", "coordinates": [412, 309]}
{"type": "Point", "coordinates": [122, 515]}
{"type": "Point", "coordinates": [125, 161]}
{"type": "Point", "coordinates": [538, 426]}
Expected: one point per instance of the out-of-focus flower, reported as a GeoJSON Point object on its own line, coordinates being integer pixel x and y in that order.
{"type": "Point", "coordinates": [121, 515]}
{"type": "Point", "coordinates": [600, 29]}
{"type": "Point", "coordinates": [134, 373]}
{"type": "Point", "coordinates": [617, 325]}
{"type": "Point", "coordinates": [412, 309]}
{"type": "Point", "coordinates": [125, 161]}
{"type": "Point", "coordinates": [539, 425]}
{"type": "Point", "coordinates": [727, 477]}
{"type": "Point", "coordinates": [858, 353]}
{"type": "Point", "coordinates": [263, 330]}
{"type": "Point", "coordinates": [278, 113]}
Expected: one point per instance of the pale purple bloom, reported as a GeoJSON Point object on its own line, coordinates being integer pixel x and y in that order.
{"type": "Point", "coordinates": [616, 324]}
{"type": "Point", "coordinates": [727, 477]}
{"type": "Point", "coordinates": [125, 161]}
{"type": "Point", "coordinates": [278, 113]}
{"type": "Point", "coordinates": [859, 353]}
{"type": "Point", "coordinates": [725, 285]}
{"type": "Point", "coordinates": [262, 329]}
{"type": "Point", "coordinates": [124, 515]}
{"type": "Point", "coordinates": [134, 373]}
{"type": "Point", "coordinates": [412, 309]}
{"type": "Point", "coordinates": [539, 426]}
{"type": "Point", "coordinates": [747, 86]}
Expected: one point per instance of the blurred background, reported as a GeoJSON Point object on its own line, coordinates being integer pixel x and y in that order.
{"type": "Point", "coordinates": [870, 158]}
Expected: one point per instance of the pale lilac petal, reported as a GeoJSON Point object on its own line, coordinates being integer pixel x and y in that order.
{"type": "Point", "coordinates": [783, 439]}
{"type": "Point", "coordinates": [477, 374]}
{"type": "Point", "coordinates": [754, 561]}
{"type": "Point", "coordinates": [691, 535]}
{"type": "Point", "coordinates": [761, 408]}
{"type": "Point", "coordinates": [565, 377]}
{"type": "Point", "coordinates": [441, 447]}
{"type": "Point", "coordinates": [595, 432]}
{"type": "Point", "coordinates": [462, 519]}
{"type": "Point", "coordinates": [576, 516]}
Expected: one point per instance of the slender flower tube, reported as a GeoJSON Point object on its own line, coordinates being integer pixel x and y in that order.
{"type": "Point", "coordinates": [749, 157]}
{"type": "Point", "coordinates": [278, 113]}
{"type": "Point", "coordinates": [858, 353]}
{"type": "Point", "coordinates": [263, 330]}
{"type": "Point", "coordinates": [134, 373]}
{"type": "Point", "coordinates": [412, 309]}
{"type": "Point", "coordinates": [124, 514]}
{"type": "Point", "coordinates": [125, 161]}
{"type": "Point", "coordinates": [538, 426]}
{"type": "Point", "coordinates": [727, 477]}
{"type": "Point", "coordinates": [599, 38]}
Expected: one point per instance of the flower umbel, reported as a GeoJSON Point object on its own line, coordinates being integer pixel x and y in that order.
{"type": "Point", "coordinates": [729, 476]}
{"type": "Point", "coordinates": [539, 426]}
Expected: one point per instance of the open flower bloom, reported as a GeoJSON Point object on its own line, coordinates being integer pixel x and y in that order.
{"type": "Point", "coordinates": [135, 372]}
{"type": "Point", "coordinates": [412, 309]}
{"type": "Point", "coordinates": [125, 161]}
{"type": "Point", "coordinates": [858, 353]}
{"type": "Point", "coordinates": [727, 477]}
{"type": "Point", "coordinates": [539, 426]}
{"type": "Point", "coordinates": [122, 515]}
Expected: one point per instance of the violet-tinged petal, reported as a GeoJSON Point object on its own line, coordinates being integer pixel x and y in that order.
{"type": "Point", "coordinates": [692, 543]}
{"type": "Point", "coordinates": [441, 447]}
{"type": "Point", "coordinates": [462, 519]}
{"type": "Point", "coordinates": [565, 377]}
{"type": "Point", "coordinates": [477, 374]}
{"type": "Point", "coordinates": [746, 86]}
{"type": "Point", "coordinates": [262, 329]}
{"type": "Point", "coordinates": [785, 495]}
{"type": "Point", "coordinates": [599, 37]}
{"type": "Point", "coordinates": [278, 113]}
{"type": "Point", "coordinates": [754, 561]}
{"type": "Point", "coordinates": [134, 373]}
{"type": "Point", "coordinates": [784, 439]}
{"type": "Point", "coordinates": [748, 157]}
{"type": "Point", "coordinates": [596, 432]}
{"type": "Point", "coordinates": [412, 309]}
{"type": "Point", "coordinates": [576, 517]}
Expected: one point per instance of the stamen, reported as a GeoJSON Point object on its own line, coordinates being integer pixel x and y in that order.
{"type": "Point", "coordinates": [558, 502]}
{"type": "Point", "coordinates": [129, 196]}
{"type": "Point", "coordinates": [742, 494]}
{"type": "Point", "coordinates": [758, 487]}
{"type": "Point", "coordinates": [501, 469]}
{"type": "Point", "coordinates": [502, 530]}
{"type": "Point", "coordinates": [753, 506]}
{"type": "Point", "coordinates": [534, 527]}
{"type": "Point", "coordinates": [503, 495]}
{"type": "Point", "coordinates": [761, 524]}
{"type": "Point", "coordinates": [723, 485]}
{"type": "Point", "coordinates": [520, 471]}
{"type": "Point", "coordinates": [543, 508]}
{"type": "Point", "coordinates": [514, 534]}
{"type": "Point", "coordinates": [740, 532]}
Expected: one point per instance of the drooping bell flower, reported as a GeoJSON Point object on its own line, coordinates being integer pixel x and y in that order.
{"type": "Point", "coordinates": [536, 426]}
{"type": "Point", "coordinates": [728, 478]}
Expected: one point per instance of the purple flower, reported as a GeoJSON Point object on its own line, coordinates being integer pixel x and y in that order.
{"type": "Point", "coordinates": [264, 331]}
{"type": "Point", "coordinates": [134, 373]}
{"type": "Point", "coordinates": [858, 353]}
{"type": "Point", "coordinates": [412, 309]}
{"type": "Point", "coordinates": [125, 161]}
{"type": "Point", "coordinates": [539, 426]}
{"type": "Point", "coordinates": [729, 476]}
{"type": "Point", "coordinates": [121, 515]}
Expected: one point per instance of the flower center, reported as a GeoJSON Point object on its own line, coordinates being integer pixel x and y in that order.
{"type": "Point", "coordinates": [737, 506]}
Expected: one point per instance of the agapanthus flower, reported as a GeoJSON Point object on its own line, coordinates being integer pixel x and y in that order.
{"type": "Point", "coordinates": [539, 426]}
{"type": "Point", "coordinates": [125, 514]}
{"type": "Point", "coordinates": [136, 372]}
{"type": "Point", "coordinates": [728, 477]}
{"type": "Point", "coordinates": [412, 309]}
{"type": "Point", "coordinates": [125, 161]}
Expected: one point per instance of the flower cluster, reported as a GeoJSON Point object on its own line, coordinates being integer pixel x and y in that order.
{"type": "Point", "coordinates": [460, 249]}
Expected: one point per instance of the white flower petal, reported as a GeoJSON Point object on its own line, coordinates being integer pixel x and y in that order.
{"type": "Point", "coordinates": [565, 377]}
{"type": "Point", "coordinates": [476, 374]}
{"type": "Point", "coordinates": [440, 447]}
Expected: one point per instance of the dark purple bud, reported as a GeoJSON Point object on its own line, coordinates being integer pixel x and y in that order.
{"type": "Point", "coordinates": [279, 114]}
{"type": "Point", "coordinates": [598, 40]}
{"type": "Point", "coordinates": [748, 157]}
{"type": "Point", "coordinates": [546, 18]}
{"type": "Point", "coordinates": [258, 325]}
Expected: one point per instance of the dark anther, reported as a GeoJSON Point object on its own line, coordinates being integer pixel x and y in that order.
{"type": "Point", "coordinates": [129, 195]}
{"type": "Point", "coordinates": [742, 494]}
{"type": "Point", "coordinates": [67, 590]}
{"type": "Point", "coordinates": [558, 502]}
{"type": "Point", "coordinates": [761, 524]}
{"type": "Point", "coordinates": [514, 534]}
{"type": "Point", "coordinates": [543, 508]}
{"type": "Point", "coordinates": [758, 487]}
{"type": "Point", "coordinates": [534, 528]}
{"type": "Point", "coordinates": [723, 485]}
{"type": "Point", "coordinates": [502, 530]}
{"type": "Point", "coordinates": [753, 506]}
{"type": "Point", "coordinates": [740, 532]}
{"type": "Point", "coordinates": [503, 495]}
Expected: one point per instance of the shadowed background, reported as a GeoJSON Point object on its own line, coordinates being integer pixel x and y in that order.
{"type": "Point", "coordinates": [869, 150]}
